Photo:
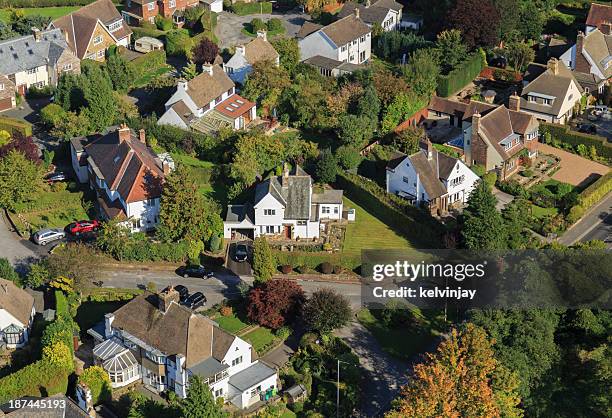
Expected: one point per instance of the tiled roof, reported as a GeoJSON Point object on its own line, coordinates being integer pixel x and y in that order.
{"type": "Point", "coordinates": [234, 106]}
{"type": "Point", "coordinates": [598, 14]}
{"type": "Point", "coordinates": [428, 173]}
{"type": "Point", "coordinates": [346, 30]}
{"type": "Point", "coordinates": [599, 48]}
{"type": "Point", "coordinates": [259, 50]}
{"type": "Point", "coordinates": [307, 28]}
{"type": "Point", "coordinates": [551, 84]}
{"type": "Point", "coordinates": [24, 52]}
{"type": "Point", "coordinates": [375, 13]}
{"type": "Point", "coordinates": [205, 87]}
{"type": "Point", "coordinates": [16, 301]}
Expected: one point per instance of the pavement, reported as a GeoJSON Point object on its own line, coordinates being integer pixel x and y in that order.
{"type": "Point", "coordinates": [19, 252]}
{"type": "Point", "coordinates": [230, 25]}
{"type": "Point", "coordinates": [595, 224]}
{"type": "Point", "coordinates": [503, 199]}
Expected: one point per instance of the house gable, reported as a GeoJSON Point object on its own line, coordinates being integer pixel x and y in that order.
{"type": "Point", "coordinates": [96, 50]}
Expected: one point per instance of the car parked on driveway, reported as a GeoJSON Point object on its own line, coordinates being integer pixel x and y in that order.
{"type": "Point", "coordinates": [45, 236]}
{"type": "Point", "coordinates": [81, 227]}
{"type": "Point", "coordinates": [195, 301]}
{"type": "Point", "coordinates": [241, 253]}
{"type": "Point", "coordinates": [55, 177]}
{"type": "Point", "coordinates": [587, 128]}
{"type": "Point", "coordinates": [194, 271]}
{"type": "Point", "coordinates": [182, 291]}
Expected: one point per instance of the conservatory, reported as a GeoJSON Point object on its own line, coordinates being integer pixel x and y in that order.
{"type": "Point", "coordinates": [118, 361]}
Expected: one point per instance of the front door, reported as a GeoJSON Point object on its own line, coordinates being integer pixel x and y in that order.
{"type": "Point", "coordinates": [287, 231]}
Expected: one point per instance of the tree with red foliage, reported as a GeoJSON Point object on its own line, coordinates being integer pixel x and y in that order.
{"type": "Point", "coordinates": [478, 21]}
{"type": "Point", "coordinates": [275, 303]}
{"type": "Point", "coordinates": [204, 52]}
{"type": "Point", "coordinates": [22, 144]}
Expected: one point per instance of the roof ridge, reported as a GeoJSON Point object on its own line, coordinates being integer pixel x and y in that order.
{"type": "Point", "coordinates": [123, 168]}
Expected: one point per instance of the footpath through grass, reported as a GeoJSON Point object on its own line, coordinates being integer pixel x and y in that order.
{"type": "Point", "coordinates": [51, 12]}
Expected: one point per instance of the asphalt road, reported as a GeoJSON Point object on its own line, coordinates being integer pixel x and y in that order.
{"type": "Point", "coordinates": [595, 224]}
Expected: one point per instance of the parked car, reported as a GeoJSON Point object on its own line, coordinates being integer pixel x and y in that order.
{"type": "Point", "coordinates": [587, 128]}
{"type": "Point", "coordinates": [195, 301]}
{"type": "Point", "coordinates": [194, 271]}
{"type": "Point", "coordinates": [81, 227]}
{"type": "Point", "coordinates": [241, 253]}
{"type": "Point", "coordinates": [182, 291]}
{"type": "Point", "coordinates": [55, 177]}
{"type": "Point", "coordinates": [601, 108]}
{"type": "Point", "coordinates": [45, 236]}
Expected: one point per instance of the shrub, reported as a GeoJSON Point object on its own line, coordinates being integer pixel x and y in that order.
{"type": "Point", "coordinates": [555, 133]}
{"type": "Point", "coordinates": [147, 63]}
{"type": "Point", "coordinates": [7, 271]}
{"type": "Point", "coordinates": [460, 76]}
{"type": "Point", "coordinates": [163, 23]}
{"type": "Point", "coordinates": [326, 310]}
{"type": "Point", "coordinates": [41, 378]}
{"type": "Point", "coordinates": [178, 42]}
{"type": "Point", "coordinates": [286, 268]}
{"type": "Point", "coordinates": [479, 170]}
{"type": "Point", "coordinates": [15, 126]}
{"type": "Point", "coordinates": [99, 383]}
{"type": "Point", "coordinates": [490, 178]}
{"type": "Point", "coordinates": [337, 269]}
{"type": "Point", "coordinates": [326, 268]}
{"type": "Point", "coordinates": [283, 333]}
{"type": "Point", "coordinates": [242, 9]}
{"type": "Point", "coordinates": [215, 243]}
{"type": "Point", "coordinates": [39, 92]}
{"type": "Point", "coordinates": [275, 303]}
{"type": "Point", "coordinates": [348, 157]}
{"type": "Point", "coordinates": [275, 25]}
{"type": "Point", "coordinates": [257, 24]}
{"type": "Point", "coordinates": [590, 196]}
{"type": "Point", "coordinates": [512, 187]}
{"type": "Point", "coordinates": [226, 310]}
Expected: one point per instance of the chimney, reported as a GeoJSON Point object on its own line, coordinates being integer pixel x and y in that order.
{"type": "Point", "coordinates": [108, 325]}
{"type": "Point", "coordinates": [166, 297]}
{"type": "Point", "coordinates": [165, 167]}
{"type": "Point", "coordinates": [207, 68]}
{"type": "Point", "coordinates": [182, 84]}
{"type": "Point", "coordinates": [124, 132]}
{"type": "Point", "coordinates": [285, 178]}
{"type": "Point", "coordinates": [240, 49]}
{"type": "Point", "coordinates": [606, 28]}
{"type": "Point", "coordinates": [357, 12]}
{"type": "Point", "coordinates": [85, 399]}
{"type": "Point", "coordinates": [514, 102]}
{"type": "Point", "coordinates": [579, 42]}
{"type": "Point", "coordinates": [426, 146]}
{"type": "Point", "coordinates": [262, 34]}
{"type": "Point", "coordinates": [141, 136]}
{"type": "Point", "coordinates": [553, 66]}
{"type": "Point", "coordinates": [36, 33]}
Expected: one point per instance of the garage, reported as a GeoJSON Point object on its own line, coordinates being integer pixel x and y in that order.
{"type": "Point", "coordinates": [238, 224]}
{"type": "Point", "coordinates": [241, 234]}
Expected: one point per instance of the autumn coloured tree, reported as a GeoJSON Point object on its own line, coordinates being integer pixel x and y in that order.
{"type": "Point", "coordinates": [275, 303]}
{"type": "Point", "coordinates": [461, 379]}
{"type": "Point", "coordinates": [204, 52]}
{"type": "Point", "coordinates": [24, 145]}
{"type": "Point", "coordinates": [477, 20]}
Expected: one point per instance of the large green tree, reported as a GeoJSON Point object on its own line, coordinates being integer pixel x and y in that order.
{"type": "Point", "coordinates": [120, 73]}
{"type": "Point", "coordinates": [264, 266]}
{"type": "Point", "coordinates": [451, 48]}
{"type": "Point", "coordinates": [326, 310]}
{"type": "Point", "coordinates": [326, 168]}
{"type": "Point", "coordinates": [101, 108]}
{"type": "Point", "coordinates": [509, 15]}
{"type": "Point", "coordinates": [305, 100]}
{"type": "Point", "coordinates": [483, 227]}
{"type": "Point", "coordinates": [519, 54]}
{"type": "Point", "coordinates": [478, 21]}
{"type": "Point", "coordinates": [289, 53]}
{"type": "Point", "coordinates": [265, 84]}
{"type": "Point", "coordinates": [422, 71]}
{"type": "Point", "coordinates": [354, 131]}
{"type": "Point", "coordinates": [199, 402]}
{"type": "Point", "coordinates": [516, 219]}
{"type": "Point", "coordinates": [20, 178]}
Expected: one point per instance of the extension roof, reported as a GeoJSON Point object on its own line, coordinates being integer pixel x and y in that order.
{"type": "Point", "coordinates": [24, 53]}
{"type": "Point", "coordinates": [16, 301]}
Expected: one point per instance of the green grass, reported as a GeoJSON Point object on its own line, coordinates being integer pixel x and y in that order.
{"type": "Point", "coordinates": [52, 12]}
{"type": "Point", "coordinates": [90, 313]}
{"type": "Point", "coordinates": [261, 339]}
{"type": "Point", "coordinates": [202, 171]}
{"type": "Point", "coordinates": [539, 212]}
{"type": "Point", "coordinates": [147, 77]}
{"type": "Point", "coordinates": [369, 232]}
{"type": "Point", "coordinates": [230, 323]}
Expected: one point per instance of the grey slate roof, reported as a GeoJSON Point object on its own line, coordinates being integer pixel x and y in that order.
{"type": "Point", "coordinates": [294, 196]}
{"type": "Point", "coordinates": [328, 196]}
{"type": "Point", "coordinates": [208, 368]}
{"type": "Point", "coordinates": [239, 213]}
{"type": "Point", "coordinates": [251, 376]}
{"type": "Point", "coordinates": [24, 52]}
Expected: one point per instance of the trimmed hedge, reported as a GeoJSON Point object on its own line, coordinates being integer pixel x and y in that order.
{"type": "Point", "coordinates": [563, 134]}
{"type": "Point", "coordinates": [398, 213]}
{"type": "Point", "coordinates": [590, 197]}
{"type": "Point", "coordinates": [460, 76]}
{"type": "Point", "coordinates": [242, 9]}
{"type": "Point", "coordinates": [13, 126]}
{"type": "Point", "coordinates": [105, 294]}
{"type": "Point", "coordinates": [18, 4]}
{"type": "Point", "coordinates": [99, 383]}
{"type": "Point", "coordinates": [148, 62]}
{"type": "Point", "coordinates": [40, 379]}
{"type": "Point", "coordinates": [313, 260]}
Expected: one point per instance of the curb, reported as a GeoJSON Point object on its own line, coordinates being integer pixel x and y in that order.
{"type": "Point", "coordinates": [315, 279]}
{"type": "Point", "coordinates": [13, 226]}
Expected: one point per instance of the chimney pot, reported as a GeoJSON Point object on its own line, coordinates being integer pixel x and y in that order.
{"type": "Point", "coordinates": [141, 136]}
{"type": "Point", "coordinates": [357, 12]}
{"type": "Point", "coordinates": [553, 65]}
{"type": "Point", "coordinates": [124, 133]}
{"type": "Point", "coordinates": [166, 297]}
{"type": "Point", "coordinates": [207, 68]}
{"type": "Point", "coordinates": [514, 102]}
{"type": "Point", "coordinates": [262, 34]}
{"type": "Point", "coordinates": [241, 49]}
{"type": "Point", "coordinates": [36, 34]}
{"type": "Point", "coordinates": [285, 178]}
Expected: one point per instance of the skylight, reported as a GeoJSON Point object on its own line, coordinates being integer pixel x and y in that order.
{"type": "Point", "coordinates": [229, 108]}
{"type": "Point", "coordinates": [239, 101]}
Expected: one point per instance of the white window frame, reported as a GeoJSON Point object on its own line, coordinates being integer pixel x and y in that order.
{"type": "Point", "coordinates": [98, 40]}
{"type": "Point", "coordinates": [151, 6]}
{"type": "Point", "coordinates": [172, 4]}
{"type": "Point", "coordinates": [269, 212]}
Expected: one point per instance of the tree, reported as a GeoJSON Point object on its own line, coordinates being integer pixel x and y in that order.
{"type": "Point", "coordinates": [178, 42]}
{"type": "Point", "coordinates": [6, 31]}
{"type": "Point", "coordinates": [58, 354]}
{"type": "Point", "coordinates": [7, 272]}
{"type": "Point", "coordinates": [422, 71]}
{"type": "Point", "coordinates": [326, 310]}
{"type": "Point", "coordinates": [120, 73]}
{"type": "Point", "coordinates": [70, 91]}
{"type": "Point", "coordinates": [348, 157]}
{"type": "Point", "coordinates": [531, 21]}
{"type": "Point", "coordinates": [37, 275]}
{"type": "Point", "coordinates": [461, 379]}
{"type": "Point", "coordinates": [199, 402]}
{"type": "Point", "coordinates": [97, 380]}
{"type": "Point", "coordinates": [354, 131]}
{"type": "Point", "coordinates": [23, 24]}
{"type": "Point", "coordinates": [368, 106]}
{"type": "Point", "coordinates": [289, 53]}
{"type": "Point", "coordinates": [478, 21]}
{"type": "Point", "coordinates": [24, 145]}
{"type": "Point", "coordinates": [483, 227]}
{"type": "Point", "coordinates": [264, 266]}
{"type": "Point", "coordinates": [184, 212]}
{"type": "Point", "coordinates": [516, 220]}
{"type": "Point", "coordinates": [20, 178]}
{"type": "Point", "coordinates": [190, 71]}
{"type": "Point", "coordinates": [113, 238]}
{"type": "Point", "coordinates": [305, 100]}
{"type": "Point", "coordinates": [402, 107]}
{"type": "Point", "coordinates": [327, 167]}
{"type": "Point", "coordinates": [101, 108]}
{"type": "Point", "coordinates": [451, 48]}
{"type": "Point", "coordinates": [509, 14]}
{"type": "Point", "coordinates": [52, 114]}
{"type": "Point", "coordinates": [71, 125]}
{"type": "Point", "coordinates": [388, 85]}
{"type": "Point", "coordinates": [519, 54]}
{"type": "Point", "coordinates": [408, 140]}
{"type": "Point", "coordinates": [257, 24]}
{"type": "Point", "coordinates": [275, 303]}
{"type": "Point", "coordinates": [76, 262]}
{"type": "Point", "coordinates": [265, 84]}
{"type": "Point", "coordinates": [204, 52]}
{"type": "Point", "coordinates": [393, 45]}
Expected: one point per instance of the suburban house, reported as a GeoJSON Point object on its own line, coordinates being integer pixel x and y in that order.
{"type": "Point", "coordinates": [92, 29]}
{"type": "Point", "coordinates": [346, 40]}
{"type": "Point", "coordinates": [430, 178]}
{"type": "Point", "coordinates": [16, 314]}
{"type": "Point", "coordinates": [590, 59]}
{"type": "Point", "coordinates": [208, 102]}
{"type": "Point", "coordinates": [285, 207]}
{"type": "Point", "coordinates": [155, 339]}
{"type": "Point", "coordinates": [551, 95]}
{"type": "Point", "coordinates": [493, 136]}
{"type": "Point", "coordinates": [136, 11]}
{"type": "Point", "coordinates": [331, 68]}
{"type": "Point", "coordinates": [36, 60]}
{"type": "Point", "coordinates": [599, 14]}
{"type": "Point", "coordinates": [125, 173]}
{"type": "Point", "coordinates": [386, 13]}
{"type": "Point", "coordinates": [241, 63]}
{"type": "Point", "coordinates": [7, 93]}
{"type": "Point", "coordinates": [411, 21]}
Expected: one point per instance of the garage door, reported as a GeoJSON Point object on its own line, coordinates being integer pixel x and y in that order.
{"type": "Point", "coordinates": [242, 234]}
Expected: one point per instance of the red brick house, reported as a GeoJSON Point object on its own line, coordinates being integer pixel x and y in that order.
{"type": "Point", "coordinates": [136, 11]}
{"type": "Point", "coordinates": [7, 93]}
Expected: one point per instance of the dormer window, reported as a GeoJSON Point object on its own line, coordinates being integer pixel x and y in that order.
{"type": "Point", "coordinates": [548, 101]}
{"type": "Point", "coordinates": [531, 99]}
{"type": "Point", "coordinates": [150, 6]}
{"type": "Point", "coordinates": [114, 27]}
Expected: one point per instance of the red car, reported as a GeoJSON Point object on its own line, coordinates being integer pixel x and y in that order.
{"type": "Point", "coordinates": [80, 227]}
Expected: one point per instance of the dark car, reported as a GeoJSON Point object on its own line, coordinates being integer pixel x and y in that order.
{"type": "Point", "coordinates": [182, 291]}
{"type": "Point", "coordinates": [194, 271]}
{"type": "Point", "coordinates": [587, 128]}
{"type": "Point", "coordinates": [195, 301]}
{"type": "Point", "coordinates": [241, 253]}
{"type": "Point", "coordinates": [55, 177]}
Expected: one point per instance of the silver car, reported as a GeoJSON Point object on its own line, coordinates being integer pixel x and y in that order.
{"type": "Point", "coordinates": [45, 236]}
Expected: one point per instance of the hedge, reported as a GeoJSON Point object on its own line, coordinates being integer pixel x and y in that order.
{"type": "Point", "coordinates": [398, 213]}
{"type": "Point", "coordinates": [98, 382]}
{"type": "Point", "coordinates": [460, 76]}
{"type": "Point", "coordinates": [563, 134]}
{"type": "Point", "coordinates": [147, 30]}
{"type": "Point", "coordinates": [40, 379]}
{"type": "Point", "coordinates": [242, 9]}
{"type": "Point", "coordinates": [15, 126]}
{"type": "Point", "coordinates": [18, 4]}
{"type": "Point", "coordinates": [148, 62]}
{"type": "Point", "coordinates": [105, 294]}
{"type": "Point", "coordinates": [314, 259]}
{"type": "Point", "coordinates": [590, 197]}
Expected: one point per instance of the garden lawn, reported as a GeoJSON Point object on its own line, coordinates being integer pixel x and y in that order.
{"type": "Point", "coordinates": [369, 232]}
{"type": "Point", "coordinates": [230, 323]}
{"type": "Point", "coordinates": [52, 12]}
{"type": "Point", "coordinates": [539, 212]}
{"type": "Point", "coordinates": [147, 77]}
{"type": "Point", "coordinates": [261, 339]}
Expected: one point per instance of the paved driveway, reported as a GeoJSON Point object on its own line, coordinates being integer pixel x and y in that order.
{"type": "Point", "coordinates": [229, 26]}
{"type": "Point", "coordinates": [575, 169]}
{"type": "Point", "coordinates": [502, 198]}
{"type": "Point", "coordinates": [19, 252]}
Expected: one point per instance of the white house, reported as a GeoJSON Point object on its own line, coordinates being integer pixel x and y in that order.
{"type": "Point", "coordinates": [346, 40]}
{"type": "Point", "coordinates": [125, 173]}
{"type": "Point", "coordinates": [386, 13]}
{"type": "Point", "coordinates": [241, 63]}
{"type": "Point", "coordinates": [430, 177]}
{"type": "Point", "coordinates": [284, 206]}
{"type": "Point", "coordinates": [208, 102]}
{"type": "Point", "coordinates": [155, 339]}
{"type": "Point", "coordinates": [213, 5]}
{"type": "Point", "coordinates": [16, 314]}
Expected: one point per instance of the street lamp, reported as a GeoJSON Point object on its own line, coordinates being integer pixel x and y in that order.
{"type": "Point", "coordinates": [338, 387]}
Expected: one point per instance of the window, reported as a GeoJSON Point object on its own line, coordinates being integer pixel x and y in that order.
{"type": "Point", "coordinates": [355, 42]}
{"type": "Point", "coordinates": [218, 392]}
{"type": "Point", "coordinates": [586, 90]}
{"type": "Point", "coordinates": [230, 91]}
{"type": "Point", "coordinates": [548, 101]}
{"type": "Point", "coordinates": [457, 181]}
{"type": "Point", "coordinates": [237, 361]}
{"type": "Point", "coordinates": [352, 58]}
{"type": "Point", "coordinates": [1, 86]}
{"type": "Point", "coordinates": [269, 229]}
{"type": "Point", "coordinates": [218, 100]}
{"type": "Point", "coordinates": [91, 57]}
{"type": "Point", "coordinates": [67, 67]}
{"type": "Point", "coordinates": [343, 48]}
{"type": "Point", "coordinates": [97, 40]}
{"type": "Point", "coordinates": [113, 27]}
{"type": "Point", "coordinates": [154, 358]}
{"type": "Point", "coordinates": [301, 223]}
{"type": "Point", "coordinates": [32, 70]}
{"type": "Point", "coordinates": [172, 3]}
{"type": "Point", "coordinates": [406, 179]}
{"type": "Point", "coordinates": [362, 56]}
{"type": "Point", "coordinates": [269, 212]}
{"type": "Point", "coordinates": [100, 53]}
{"type": "Point", "coordinates": [150, 6]}
{"type": "Point", "coordinates": [335, 210]}
{"type": "Point", "coordinates": [325, 210]}
{"type": "Point", "coordinates": [362, 39]}
{"type": "Point", "coordinates": [149, 202]}
{"type": "Point", "coordinates": [135, 223]}
{"type": "Point", "coordinates": [510, 164]}
{"type": "Point", "coordinates": [14, 337]}
{"type": "Point", "coordinates": [531, 99]}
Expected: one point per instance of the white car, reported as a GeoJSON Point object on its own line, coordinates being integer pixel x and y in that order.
{"type": "Point", "coordinates": [601, 108]}
{"type": "Point", "coordinates": [45, 236]}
